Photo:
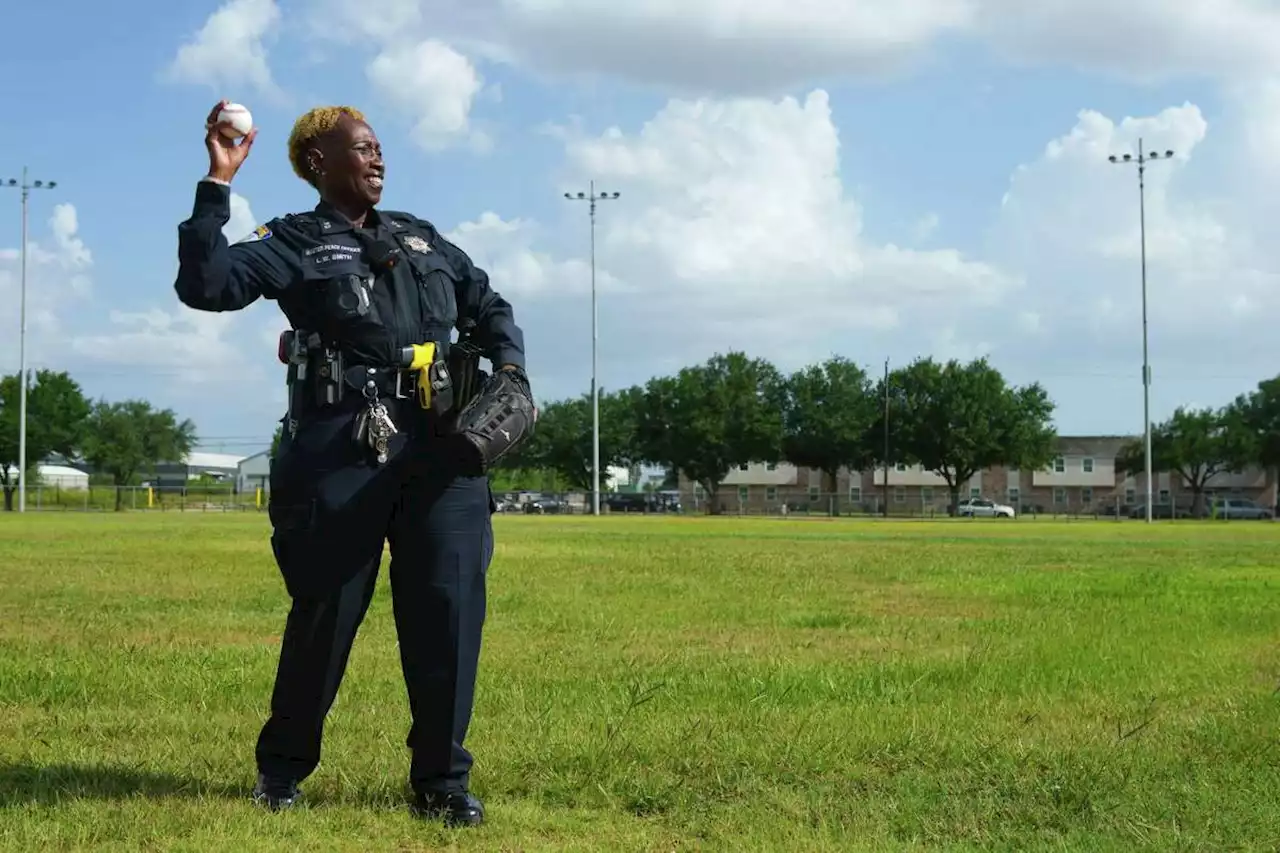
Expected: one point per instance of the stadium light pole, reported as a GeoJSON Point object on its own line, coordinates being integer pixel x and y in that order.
{"type": "Point", "coordinates": [1141, 161]}
{"type": "Point", "coordinates": [26, 187]}
{"type": "Point", "coordinates": [592, 197]}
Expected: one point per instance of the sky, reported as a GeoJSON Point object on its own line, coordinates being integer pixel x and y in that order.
{"type": "Point", "coordinates": [881, 179]}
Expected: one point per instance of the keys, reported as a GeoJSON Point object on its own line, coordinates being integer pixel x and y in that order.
{"type": "Point", "coordinates": [381, 428]}
{"type": "Point", "coordinates": [374, 426]}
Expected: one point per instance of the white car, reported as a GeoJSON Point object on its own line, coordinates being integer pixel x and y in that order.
{"type": "Point", "coordinates": [983, 508]}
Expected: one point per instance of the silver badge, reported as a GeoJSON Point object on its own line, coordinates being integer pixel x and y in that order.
{"type": "Point", "coordinates": [417, 244]}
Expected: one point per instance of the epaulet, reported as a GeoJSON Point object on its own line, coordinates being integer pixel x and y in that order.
{"type": "Point", "coordinates": [399, 219]}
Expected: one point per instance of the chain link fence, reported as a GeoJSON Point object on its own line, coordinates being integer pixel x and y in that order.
{"type": "Point", "coordinates": [729, 502]}
{"type": "Point", "coordinates": [201, 498]}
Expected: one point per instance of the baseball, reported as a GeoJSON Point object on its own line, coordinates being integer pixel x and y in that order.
{"type": "Point", "coordinates": [240, 119]}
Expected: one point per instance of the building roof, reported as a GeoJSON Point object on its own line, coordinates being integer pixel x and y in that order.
{"type": "Point", "coordinates": [60, 471]}
{"type": "Point", "coordinates": [1084, 445]}
{"type": "Point", "coordinates": [257, 455]}
{"type": "Point", "coordinates": [198, 459]}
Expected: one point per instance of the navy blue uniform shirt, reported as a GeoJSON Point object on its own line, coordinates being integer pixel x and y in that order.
{"type": "Point", "coordinates": [298, 259]}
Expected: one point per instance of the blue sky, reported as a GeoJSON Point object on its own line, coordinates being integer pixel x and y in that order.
{"type": "Point", "coordinates": [922, 177]}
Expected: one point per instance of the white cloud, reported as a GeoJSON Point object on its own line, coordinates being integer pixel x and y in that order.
{"type": "Point", "coordinates": [186, 348]}
{"type": "Point", "coordinates": [1143, 39]}
{"type": "Point", "coordinates": [1070, 223]}
{"type": "Point", "coordinates": [728, 47]}
{"type": "Point", "coordinates": [241, 222]}
{"type": "Point", "coordinates": [925, 227]}
{"type": "Point", "coordinates": [717, 45]}
{"type": "Point", "coordinates": [379, 21]}
{"type": "Point", "coordinates": [505, 251]}
{"type": "Point", "coordinates": [59, 265]}
{"type": "Point", "coordinates": [435, 87]}
{"type": "Point", "coordinates": [229, 51]}
{"type": "Point", "coordinates": [733, 229]}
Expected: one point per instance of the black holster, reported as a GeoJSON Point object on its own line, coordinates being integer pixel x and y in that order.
{"type": "Point", "coordinates": [314, 371]}
{"type": "Point", "coordinates": [464, 364]}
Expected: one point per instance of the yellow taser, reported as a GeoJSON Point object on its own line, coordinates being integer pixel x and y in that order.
{"type": "Point", "coordinates": [420, 357]}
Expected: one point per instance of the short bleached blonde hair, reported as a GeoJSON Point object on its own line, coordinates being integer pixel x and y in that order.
{"type": "Point", "coordinates": [310, 125]}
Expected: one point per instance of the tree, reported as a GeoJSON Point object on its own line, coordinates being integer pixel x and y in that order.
{"type": "Point", "coordinates": [275, 442]}
{"type": "Point", "coordinates": [708, 419]}
{"type": "Point", "coordinates": [1259, 414]}
{"type": "Point", "coordinates": [827, 417]}
{"type": "Point", "coordinates": [123, 439]}
{"type": "Point", "coordinates": [958, 419]}
{"type": "Point", "coordinates": [56, 415]}
{"type": "Point", "coordinates": [563, 437]}
{"type": "Point", "coordinates": [1196, 444]}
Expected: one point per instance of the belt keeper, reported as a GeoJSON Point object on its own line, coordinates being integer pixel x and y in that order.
{"type": "Point", "coordinates": [401, 377]}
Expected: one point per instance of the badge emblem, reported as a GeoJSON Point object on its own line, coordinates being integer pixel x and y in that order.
{"type": "Point", "coordinates": [262, 232]}
{"type": "Point", "coordinates": [417, 244]}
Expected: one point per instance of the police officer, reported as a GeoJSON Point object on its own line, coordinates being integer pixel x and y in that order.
{"type": "Point", "coordinates": [387, 437]}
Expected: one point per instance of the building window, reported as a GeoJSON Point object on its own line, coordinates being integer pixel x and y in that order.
{"type": "Point", "coordinates": [926, 494]}
{"type": "Point", "coordinates": [771, 493]}
{"type": "Point", "coordinates": [697, 490]}
{"type": "Point", "coordinates": [899, 495]}
{"type": "Point", "coordinates": [1130, 496]}
{"type": "Point", "coordinates": [975, 492]}
{"type": "Point", "coordinates": [855, 493]}
{"type": "Point", "coordinates": [744, 493]}
{"type": "Point", "coordinates": [901, 466]}
{"type": "Point", "coordinates": [814, 493]}
{"type": "Point", "coordinates": [1059, 495]}
{"type": "Point", "coordinates": [1087, 466]}
{"type": "Point", "coordinates": [1164, 497]}
{"type": "Point", "coordinates": [1086, 495]}
{"type": "Point", "coordinates": [1059, 465]}
{"type": "Point", "coordinates": [1015, 494]}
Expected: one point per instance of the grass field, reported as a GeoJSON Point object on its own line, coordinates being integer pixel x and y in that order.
{"type": "Point", "coordinates": [671, 684]}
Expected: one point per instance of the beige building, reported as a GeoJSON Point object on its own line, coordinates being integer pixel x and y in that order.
{"type": "Point", "coordinates": [1081, 478]}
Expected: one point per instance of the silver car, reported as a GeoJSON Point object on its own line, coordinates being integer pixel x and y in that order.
{"type": "Point", "coordinates": [1237, 508]}
{"type": "Point", "coordinates": [983, 508]}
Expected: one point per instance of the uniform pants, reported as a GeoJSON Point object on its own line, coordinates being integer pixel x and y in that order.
{"type": "Point", "coordinates": [441, 540]}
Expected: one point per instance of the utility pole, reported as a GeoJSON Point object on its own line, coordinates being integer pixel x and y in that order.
{"type": "Point", "coordinates": [592, 197]}
{"type": "Point", "coordinates": [26, 188]}
{"type": "Point", "coordinates": [885, 511]}
{"type": "Point", "coordinates": [1142, 159]}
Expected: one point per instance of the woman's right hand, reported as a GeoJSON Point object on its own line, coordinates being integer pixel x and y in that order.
{"type": "Point", "coordinates": [226, 155]}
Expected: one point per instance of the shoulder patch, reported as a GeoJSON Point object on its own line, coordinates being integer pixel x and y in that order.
{"type": "Point", "coordinates": [262, 232]}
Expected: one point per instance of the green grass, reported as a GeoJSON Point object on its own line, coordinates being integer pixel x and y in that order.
{"type": "Point", "coordinates": [671, 684]}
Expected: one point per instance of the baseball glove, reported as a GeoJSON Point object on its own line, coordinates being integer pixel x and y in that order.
{"type": "Point", "coordinates": [496, 420]}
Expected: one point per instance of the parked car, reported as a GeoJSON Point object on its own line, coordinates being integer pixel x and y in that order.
{"type": "Point", "coordinates": [543, 506]}
{"type": "Point", "coordinates": [983, 508]}
{"type": "Point", "coordinates": [1240, 508]}
{"type": "Point", "coordinates": [642, 502]}
{"type": "Point", "coordinates": [1159, 511]}
{"type": "Point", "coordinates": [631, 502]}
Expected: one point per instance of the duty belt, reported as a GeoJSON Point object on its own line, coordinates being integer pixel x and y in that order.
{"type": "Point", "coordinates": [321, 375]}
{"type": "Point", "coordinates": [400, 383]}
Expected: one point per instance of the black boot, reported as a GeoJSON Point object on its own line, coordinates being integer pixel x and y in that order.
{"type": "Point", "coordinates": [458, 808]}
{"type": "Point", "coordinates": [275, 794]}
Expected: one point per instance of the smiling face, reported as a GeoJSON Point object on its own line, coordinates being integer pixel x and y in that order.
{"type": "Point", "coordinates": [350, 168]}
